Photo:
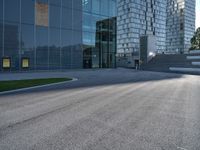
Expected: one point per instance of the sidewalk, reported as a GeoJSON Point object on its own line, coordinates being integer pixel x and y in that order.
{"type": "Point", "coordinates": [32, 75]}
{"type": "Point", "coordinates": [71, 73]}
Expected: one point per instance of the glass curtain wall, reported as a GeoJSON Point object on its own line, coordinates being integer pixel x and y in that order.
{"type": "Point", "coordinates": [48, 33]}
{"type": "Point", "coordinates": [99, 33]}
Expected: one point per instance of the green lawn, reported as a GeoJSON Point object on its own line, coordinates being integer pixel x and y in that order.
{"type": "Point", "coordinates": [18, 84]}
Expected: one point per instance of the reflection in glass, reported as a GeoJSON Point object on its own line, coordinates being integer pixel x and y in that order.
{"type": "Point", "coordinates": [54, 36]}
{"type": "Point", "coordinates": [99, 33]}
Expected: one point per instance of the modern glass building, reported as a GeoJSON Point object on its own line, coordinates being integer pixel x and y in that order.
{"type": "Point", "coordinates": [171, 22]}
{"type": "Point", "coordinates": [137, 18]}
{"type": "Point", "coordinates": [69, 34]}
{"type": "Point", "coordinates": [99, 33]}
{"type": "Point", "coordinates": [57, 34]}
{"type": "Point", "coordinates": [180, 24]}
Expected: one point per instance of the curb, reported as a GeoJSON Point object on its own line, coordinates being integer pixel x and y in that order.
{"type": "Point", "coordinates": [35, 87]}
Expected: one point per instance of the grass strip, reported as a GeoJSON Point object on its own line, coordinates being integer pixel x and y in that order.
{"type": "Point", "coordinates": [19, 84]}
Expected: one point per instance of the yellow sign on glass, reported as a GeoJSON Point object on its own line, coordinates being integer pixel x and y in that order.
{"type": "Point", "coordinates": [6, 63]}
{"type": "Point", "coordinates": [25, 63]}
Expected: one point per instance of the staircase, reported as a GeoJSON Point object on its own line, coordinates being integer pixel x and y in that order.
{"type": "Point", "coordinates": [179, 63]}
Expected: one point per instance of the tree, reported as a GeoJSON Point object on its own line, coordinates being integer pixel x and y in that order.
{"type": "Point", "coordinates": [195, 41]}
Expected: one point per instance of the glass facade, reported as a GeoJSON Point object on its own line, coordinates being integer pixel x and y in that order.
{"type": "Point", "coordinates": [57, 34]}
{"type": "Point", "coordinates": [137, 18]}
{"type": "Point", "coordinates": [180, 25]}
{"type": "Point", "coordinates": [99, 33]}
{"type": "Point", "coordinates": [68, 34]}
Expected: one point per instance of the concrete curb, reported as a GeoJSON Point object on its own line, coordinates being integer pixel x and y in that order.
{"type": "Point", "coordinates": [181, 69]}
{"type": "Point", "coordinates": [35, 87]}
{"type": "Point", "coordinates": [193, 57]}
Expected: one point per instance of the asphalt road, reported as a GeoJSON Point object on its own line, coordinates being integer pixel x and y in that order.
{"type": "Point", "coordinates": [105, 110]}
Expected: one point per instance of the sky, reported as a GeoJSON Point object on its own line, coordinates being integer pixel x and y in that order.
{"type": "Point", "coordinates": [197, 13]}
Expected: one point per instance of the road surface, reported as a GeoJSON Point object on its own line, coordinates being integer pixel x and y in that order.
{"type": "Point", "coordinates": [114, 109]}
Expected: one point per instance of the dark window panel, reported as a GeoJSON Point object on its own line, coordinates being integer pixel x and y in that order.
{"type": "Point", "coordinates": [55, 2]}
{"type": "Point", "coordinates": [77, 53]}
{"type": "Point", "coordinates": [67, 18]}
{"type": "Point", "coordinates": [42, 58]}
{"type": "Point", "coordinates": [11, 36]}
{"type": "Point", "coordinates": [1, 9]}
{"type": "Point", "coordinates": [42, 48]}
{"type": "Point", "coordinates": [27, 36]}
{"type": "Point", "coordinates": [1, 34]}
{"type": "Point", "coordinates": [77, 4]}
{"type": "Point", "coordinates": [54, 57]}
{"type": "Point", "coordinates": [66, 38]}
{"type": "Point", "coordinates": [41, 37]}
{"type": "Point", "coordinates": [11, 44]}
{"type": "Point", "coordinates": [12, 10]}
{"type": "Point", "coordinates": [77, 20]}
{"type": "Point", "coordinates": [66, 45]}
{"type": "Point", "coordinates": [66, 58]}
{"type": "Point", "coordinates": [1, 52]}
{"type": "Point", "coordinates": [55, 16]}
{"type": "Point", "coordinates": [77, 38]}
{"type": "Point", "coordinates": [67, 3]}
{"type": "Point", "coordinates": [42, 1]}
{"type": "Point", "coordinates": [54, 36]}
{"type": "Point", "coordinates": [27, 11]}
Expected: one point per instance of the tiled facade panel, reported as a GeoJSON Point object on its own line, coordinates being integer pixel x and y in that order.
{"type": "Point", "coordinates": [180, 24]}
{"type": "Point", "coordinates": [137, 18]}
{"type": "Point", "coordinates": [171, 21]}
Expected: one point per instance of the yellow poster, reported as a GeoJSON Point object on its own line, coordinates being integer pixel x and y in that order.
{"type": "Point", "coordinates": [6, 62]}
{"type": "Point", "coordinates": [25, 63]}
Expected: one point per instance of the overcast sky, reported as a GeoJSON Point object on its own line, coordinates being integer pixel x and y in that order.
{"type": "Point", "coordinates": [198, 14]}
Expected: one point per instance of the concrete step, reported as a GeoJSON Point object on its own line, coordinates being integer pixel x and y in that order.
{"type": "Point", "coordinates": [193, 57]}
{"type": "Point", "coordinates": [186, 70]}
{"type": "Point", "coordinates": [196, 63]}
{"type": "Point", "coordinates": [194, 52]}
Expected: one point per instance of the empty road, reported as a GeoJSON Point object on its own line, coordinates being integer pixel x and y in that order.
{"type": "Point", "coordinates": [113, 109]}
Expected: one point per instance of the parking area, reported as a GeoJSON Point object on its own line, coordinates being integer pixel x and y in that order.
{"type": "Point", "coordinates": [107, 109]}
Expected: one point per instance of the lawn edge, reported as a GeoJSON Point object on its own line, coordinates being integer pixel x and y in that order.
{"type": "Point", "coordinates": [38, 86]}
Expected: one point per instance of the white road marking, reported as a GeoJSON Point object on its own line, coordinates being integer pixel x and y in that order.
{"type": "Point", "coordinates": [181, 148]}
